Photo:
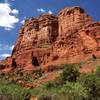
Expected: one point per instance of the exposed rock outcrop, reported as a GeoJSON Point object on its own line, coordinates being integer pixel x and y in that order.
{"type": "Point", "coordinates": [70, 37]}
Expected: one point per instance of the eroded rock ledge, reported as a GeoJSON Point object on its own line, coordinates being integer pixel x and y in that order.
{"type": "Point", "coordinates": [70, 37]}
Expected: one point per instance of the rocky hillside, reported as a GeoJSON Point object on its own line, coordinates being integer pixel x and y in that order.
{"type": "Point", "coordinates": [49, 41]}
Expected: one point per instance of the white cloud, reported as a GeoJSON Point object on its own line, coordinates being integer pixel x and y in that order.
{"type": "Point", "coordinates": [7, 28]}
{"type": "Point", "coordinates": [44, 11]}
{"type": "Point", "coordinates": [5, 55]}
{"type": "Point", "coordinates": [12, 47]}
{"type": "Point", "coordinates": [23, 21]}
{"type": "Point", "coordinates": [7, 21]}
{"type": "Point", "coordinates": [6, 47]}
{"type": "Point", "coordinates": [41, 10]}
{"type": "Point", "coordinates": [50, 12]}
{"type": "Point", "coordinates": [15, 11]}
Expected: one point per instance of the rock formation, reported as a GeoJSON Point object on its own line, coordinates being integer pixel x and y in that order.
{"type": "Point", "coordinates": [70, 37]}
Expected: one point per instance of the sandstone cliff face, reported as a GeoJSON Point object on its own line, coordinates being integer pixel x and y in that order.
{"type": "Point", "coordinates": [50, 40]}
{"type": "Point", "coordinates": [72, 19]}
{"type": "Point", "coordinates": [35, 38]}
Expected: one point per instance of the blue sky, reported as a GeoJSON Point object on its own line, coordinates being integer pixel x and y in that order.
{"type": "Point", "coordinates": [14, 12]}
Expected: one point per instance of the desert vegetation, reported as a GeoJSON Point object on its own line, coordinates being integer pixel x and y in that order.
{"type": "Point", "coordinates": [70, 85]}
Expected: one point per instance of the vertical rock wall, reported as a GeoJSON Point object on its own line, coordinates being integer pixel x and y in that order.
{"type": "Point", "coordinates": [69, 37]}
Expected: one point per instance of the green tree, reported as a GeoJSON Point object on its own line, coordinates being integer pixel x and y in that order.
{"type": "Point", "coordinates": [70, 73]}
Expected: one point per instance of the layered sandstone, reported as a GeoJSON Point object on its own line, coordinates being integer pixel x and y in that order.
{"type": "Point", "coordinates": [72, 19]}
{"type": "Point", "coordinates": [49, 40]}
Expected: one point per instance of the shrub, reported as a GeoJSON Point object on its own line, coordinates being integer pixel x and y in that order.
{"type": "Point", "coordinates": [98, 71]}
{"type": "Point", "coordinates": [38, 73]}
{"type": "Point", "coordinates": [48, 85]}
{"type": "Point", "coordinates": [74, 91]}
{"type": "Point", "coordinates": [92, 83]}
{"type": "Point", "coordinates": [70, 73]}
{"type": "Point", "coordinates": [12, 91]}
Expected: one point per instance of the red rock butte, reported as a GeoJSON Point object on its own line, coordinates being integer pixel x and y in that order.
{"type": "Point", "coordinates": [69, 37]}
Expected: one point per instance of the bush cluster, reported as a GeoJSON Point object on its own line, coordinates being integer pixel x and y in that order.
{"type": "Point", "coordinates": [70, 85]}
